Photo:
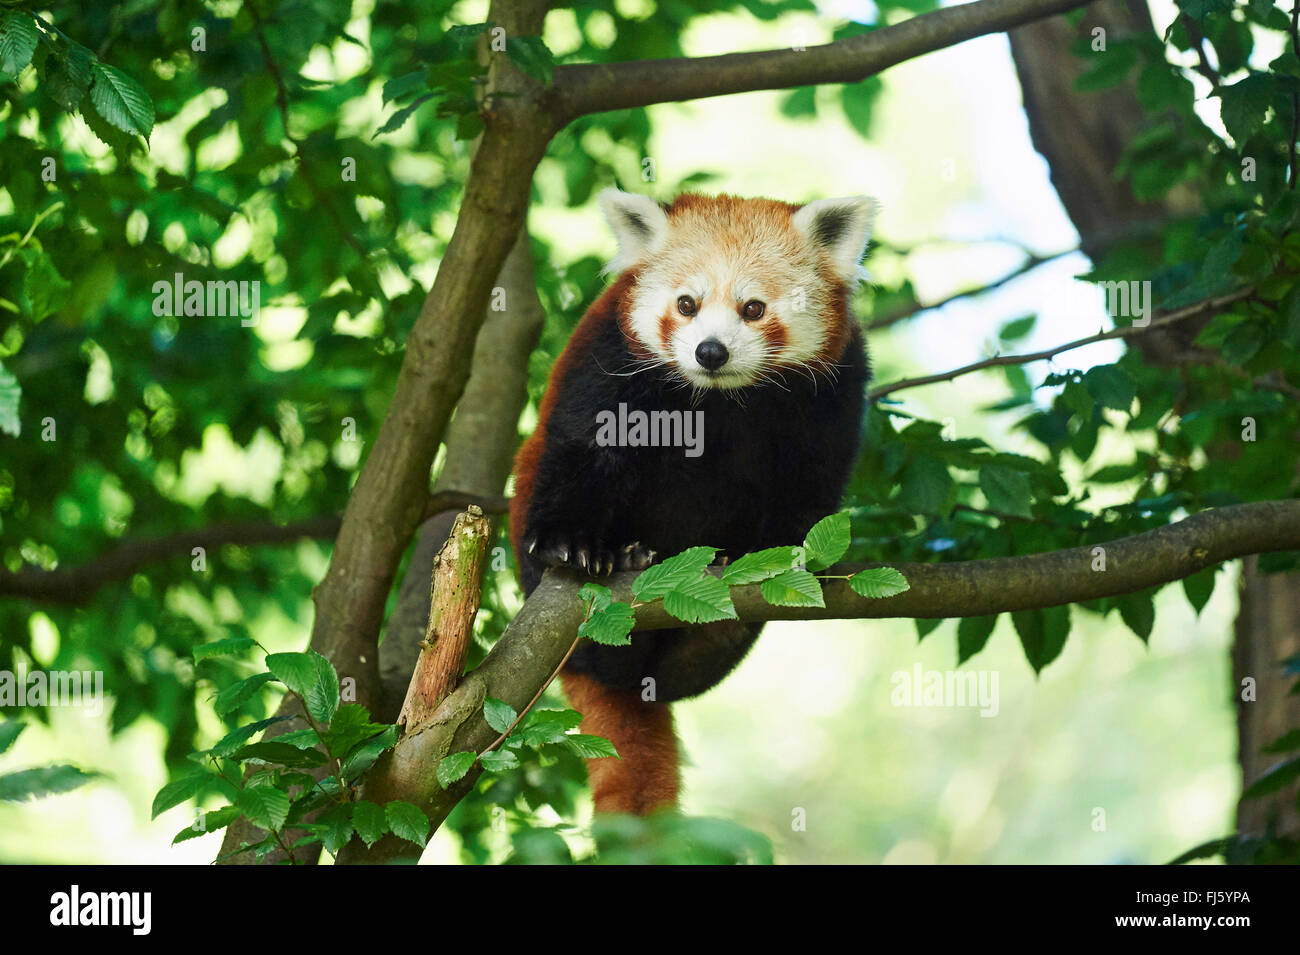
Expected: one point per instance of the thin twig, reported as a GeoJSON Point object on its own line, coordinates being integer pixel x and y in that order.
{"type": "Point", "coordinates": [1123, 332]}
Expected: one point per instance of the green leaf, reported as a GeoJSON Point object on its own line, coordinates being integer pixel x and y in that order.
{"type": "Point", "coordinates": [1199, 587]}
{"type": "Point", "coordinates": [178, 791]}
{"type": "Point", "coordinates": [237, 694]}
{"type": "Point", "coordinates": [18, 39]}
{"type": "Point", "coordinates": [1007, 490]}
{"type": "Point", "coordinates": [588, 746]}
{"type": "Point", "coordinates": [10, 730]}
{"type": "Point", "coordinates": [758, 566]}
{"type": "Point", "coordinates": [669, 575]}
{"type": "Point", "coordinates": [363, 755]}
{"type": "Point", "coordinates": [548, 726]}
{"type": "Point", "coordinates": [532, 56]}
{"type": "Point", "coordinates": [284, 754]}
{"type": "Point", "coordinates": [878, 582]}
{"type": "Point", "coordinates": [1017, 328]}
{"type": "Point", "coordinates": [264, 805]}
{"type": "Point", "coordinates": [454, 767]}
{"type": "Point", "coordinates": [1042, 634]}
{"type": "Point", "coordinates": [972, 635]}
{"type": "Point", "coordinates": [44, 781]}
{"type": "Point", "coordinates": [370, 821]}
{"type": "Point", "coordinates": [407, 821]}
{"type": "Point", "coordinates": [704, 600]}
{"type": "Point", "coordinates": [238, 737]}
{"type": "Point", "coordinates": [828, 541]}
{"type": "Point", "coordinates": [67, 78]}
{"type": "Point", "coordinates": [1274, 778]}
{"type": "Point", "coordinates": [610, 626]}
{"type": "Point", "coordinates": [793, 588]}
{"type": "Point", "coordinates": [10, 392]}
{"type": "Point", "coordinates": [350, 726]}
{"type": "Point", "coordinates": [213, 821]}
{"type": "Point", "coordinates": [121, 101]}
{"type": "Point", "coordinates": [1284, 743]}
{"type": "Point", "coordinates": [337, 821]}
{"type": "Point", "coordinates": [44, 289]}
{"type": "Point", "coordinates": [499, 715]}
{"type": "Point", "coordinates": [925, 485]}
{"type": "Point", "coordinates": [499, 760]}
{"type": "Point", "coordinates": [1243, 105]}
{"type": "Point", "coordinates": [596, 596]}
{"type": "Point", "coordinates": [227, 647]}
{"type": "Point", "coordinates": [312, 677]}
{"type": "Point", "coordinates": [1110, 386]}
{"type": "Point", "coordinates": [1139, 613]}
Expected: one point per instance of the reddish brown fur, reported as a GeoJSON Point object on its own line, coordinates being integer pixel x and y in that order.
{"type": "Point", "coordinates": [644, 778]}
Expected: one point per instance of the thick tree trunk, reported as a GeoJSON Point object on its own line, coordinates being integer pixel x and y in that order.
{"type": "Point", "coordinates": [1267, 632]}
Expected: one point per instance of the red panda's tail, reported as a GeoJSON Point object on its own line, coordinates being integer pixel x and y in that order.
{"type": "Point", "coordinates": [644, 778]}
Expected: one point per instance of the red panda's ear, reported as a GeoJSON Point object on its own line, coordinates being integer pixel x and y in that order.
{"type": "Point", "coordinates": [842, 228]}
{"type": "Point", "coordinates": [639, 223]}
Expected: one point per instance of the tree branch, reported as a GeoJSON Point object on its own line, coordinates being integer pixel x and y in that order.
{"type": "Point", "coordinates": [1126, 331]}
{"type": "Point", "coordinates": [540, 635]}
{"type": "Point", "coordinates": [75, 586]}
{"type": "Point", "coordinates": [596, 87]}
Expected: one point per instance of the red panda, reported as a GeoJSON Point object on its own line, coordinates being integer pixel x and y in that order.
{"type": "Point", "coordinates": [736, 312]}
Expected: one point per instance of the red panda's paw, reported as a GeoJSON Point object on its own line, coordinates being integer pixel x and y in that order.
{"type": "Point", "coordinates": [581, 552]}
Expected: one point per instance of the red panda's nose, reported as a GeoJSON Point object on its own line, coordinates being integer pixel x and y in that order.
{"type": "Point", "coordinates": [711, 354]}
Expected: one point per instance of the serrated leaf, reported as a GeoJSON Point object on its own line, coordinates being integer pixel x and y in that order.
{"type": "Point", "coordinates": [499, 715]}
{"type": "Point", "coordinates": [310, 676]}
{"type": "Point", "coordinates": [454, 767]}
{"type": "Point", "coordinates": [229, 646]}
{"type": "Point", "coordinates": [793, 588]}
{"type": "Point", "coordinates": [924, 486]}
{"type": "Point", "coordinates": [213, 821]}
{"type": "Point", "coordinates": [120, 100]}
{"type": "Point", "coordinates": [876, 582]}
{"type": "Point", "coordinates": [758, 566]}
{"type": "Point", "coordinates": [237, 694]}
{"type": "Point", "coordinates": [596, 596]}
{"type": "Point", "coordinates": [670, 574]}
{"type": "Point", "coordinates": [407, 821]}
{"type": "Point", "coordinates": [704, 600]}
{"type": "Point", "coordinates": [238, 737]}
{"type": "Point", "coordinates": [370, 821]}
{"type": "Point", "coordinates": [283, 754]}
{"type": "Point", "coordinates": [337, 823]}
{"type": "Point", "coordinates": [266, 806]}
{"type": "Point", "coordinates": [548, 726]}
{"type": "Point", "coordinates": [588, 746]}
{"type": "Point", "coordinates": [1243, 105]}
{"type": "Point", "coordinates": [972, 635]}
{"type": "Point", "coordinates": [43, 781]}
{"type": "Point", "coordinates": [610, 626]}
{"type": "Point", "coordinates": [178, 791]}
{"type": "Point", "coordinates": [67, 78]}
{"type": "Point", "coordinates": [828, 541]}
{"type": "Point", "coordinates": [1284, 743]}
{"type": "Point", "coordinates": [362, 756]}
{"type": "Point", "coordinates": [18, 39]}
{"type": "Point", "coordinates": [499, 760]}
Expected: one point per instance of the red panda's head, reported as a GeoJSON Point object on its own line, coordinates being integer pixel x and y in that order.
{"type": "Point", "coordinates": [729, 292]}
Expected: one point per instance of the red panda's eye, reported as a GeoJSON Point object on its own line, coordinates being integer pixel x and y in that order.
{"type": "Point", "coordinates": [686, 305]}
{"type": "Point", "coordinates": [753, 310]}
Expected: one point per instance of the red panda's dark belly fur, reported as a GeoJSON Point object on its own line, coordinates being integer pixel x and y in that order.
{"type": "Point", "coordinates": [775, 459]}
